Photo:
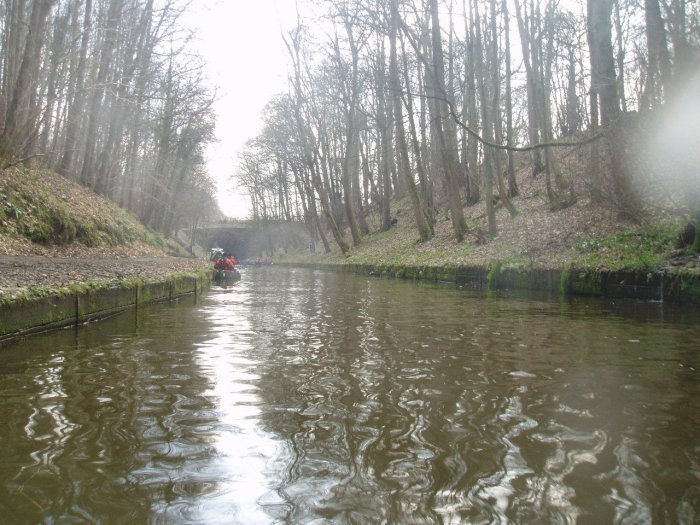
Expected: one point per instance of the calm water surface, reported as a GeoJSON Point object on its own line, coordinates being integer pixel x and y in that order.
{"type": "Point", "coordinates": [308, 397]}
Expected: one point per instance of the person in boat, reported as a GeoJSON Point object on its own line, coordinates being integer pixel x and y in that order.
{"type": "Point", "coordinates": [227, 262]}
{"type": "Point", "coordinates": [220, 263]}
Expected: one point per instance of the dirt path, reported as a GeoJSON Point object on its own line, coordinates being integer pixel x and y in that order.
{"type": "Point", "coordinates": [19, 272]}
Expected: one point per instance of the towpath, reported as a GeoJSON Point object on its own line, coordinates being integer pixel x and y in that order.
{"type": "Point", "coordinates": [19, 272]}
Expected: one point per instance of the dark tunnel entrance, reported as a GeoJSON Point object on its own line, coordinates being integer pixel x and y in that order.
{"type": "Point", "coordinates": [238, 241]}
{"type": "Point", "coordinates": [248, 240]}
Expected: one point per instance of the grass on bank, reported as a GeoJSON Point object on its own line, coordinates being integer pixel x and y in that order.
{"type": "Point", "coordinates": [649, 249]}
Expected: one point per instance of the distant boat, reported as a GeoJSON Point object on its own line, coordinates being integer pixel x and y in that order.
{"type": "Point", "coordinates": [226, 276]}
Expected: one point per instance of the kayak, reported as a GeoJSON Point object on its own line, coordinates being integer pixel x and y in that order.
{"type": "Point", "coordinates": [226, 276]}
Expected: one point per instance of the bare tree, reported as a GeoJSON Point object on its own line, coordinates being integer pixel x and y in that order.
{"type": "Point", "coordinates": [22, 111]}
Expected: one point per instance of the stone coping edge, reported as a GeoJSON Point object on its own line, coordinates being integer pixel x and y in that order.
{"type": "Point", "coordinates": [672, 286]}
{"type": "Point", "coordinates": [41, 314]}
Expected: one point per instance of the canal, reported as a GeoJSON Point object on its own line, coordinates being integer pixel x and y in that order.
{"type": "Point", "coordinates": [300, 396]}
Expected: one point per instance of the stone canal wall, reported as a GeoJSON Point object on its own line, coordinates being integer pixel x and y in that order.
{"type": "Point", "coordinates": [680, 286]}
{"type": "Point", "coordinates": [25, 316]}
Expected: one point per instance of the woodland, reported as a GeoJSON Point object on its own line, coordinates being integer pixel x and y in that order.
{"type": "Point", "coordinates": [441, 102]}
{"type": "Point", "coordinates": [434, 101]}
{"type": "Point", "coordinates": [109, 94]}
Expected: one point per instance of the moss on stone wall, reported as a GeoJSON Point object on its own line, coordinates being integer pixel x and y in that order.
{"type": "Point", "coordinates": [44, 309]}
{"type": "Point", "coordinates": [681, 285]}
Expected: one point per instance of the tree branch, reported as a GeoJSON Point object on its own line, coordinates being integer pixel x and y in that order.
{"type": "Point", "coordinates": [529, 147]}
{"type": "Point", "coordinates": [412, 38]}
{"type": "Point", "coordinates": [21, 161]}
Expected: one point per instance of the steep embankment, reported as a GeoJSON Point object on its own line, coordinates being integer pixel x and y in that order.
{"type": "Point", "coordinates": [57, 237]}
{"type": "Point", "coordinates": [581, 239]}
{"type": "Point", "coordinates": [42, 213]}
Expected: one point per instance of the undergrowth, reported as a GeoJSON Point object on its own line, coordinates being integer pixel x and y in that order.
{"type": "Point", "coordinates": [47, 209]}
{"type": "Point", "coordinates": [646, 249]}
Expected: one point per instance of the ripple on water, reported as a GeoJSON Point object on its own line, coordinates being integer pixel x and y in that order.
{"type": "Point", "coordinates": [307, 397]}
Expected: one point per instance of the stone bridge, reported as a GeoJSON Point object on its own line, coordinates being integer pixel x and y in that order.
{"type": "Point", "coordinates": [249, 239]}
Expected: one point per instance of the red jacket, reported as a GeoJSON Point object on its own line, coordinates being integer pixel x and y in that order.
{"type": "Point", "coordinates": [226, 263]}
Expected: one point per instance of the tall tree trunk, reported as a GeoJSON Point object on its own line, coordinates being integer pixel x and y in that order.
{"type": "Point", "coordinates": [496, 111]}
{"type": "Point", "coordinates": [57, 49]}
{"type": "Point", "coordinates": [425, 183]}
{"type": "Point", "coordinates": [314, 214]}
{"type": "Point", "coordinates": [512, 182]}
{"type": "Point", "coordinates": [350, 164]}
{"type": "Point", "coordinates": [620, 58]}
{"type": "Point", "coordinates": [422, 223]}
{"type": "Point", "coordinates": [19, 120]}
{"type": "Point", "coordinates": [471, 110]}
{"type": "Point", "coordinates": [372, 192]}
{"type": "Point", "coordinates": [489, 158]}
{"type": "Point", "coordinates": [459, 225]}
{"type": "Point", "coordinates": [605, 84]}
{"type": "Point", "coordinates": [534, 110]}
{"type": "Point", "coordinates": [573, 120]}
{"type": "Point", "coordinates": [13, 42]}
{"type": "Point", "coordinates": [659, 71]}
{"type": "Point", "coordinates": [75, 113]}
{"type": "Point", "coordinates": [600, 25]}
{"type": "Point", "coordinates": [594, 164]}
{"type": "Point", "coordinates": [114, 14]}
{"type": "Point", "coordinates": [385, 151]}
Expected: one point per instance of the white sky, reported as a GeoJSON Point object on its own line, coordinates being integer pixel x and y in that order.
{"type": "Point", "coordinates": [240, 41]}
{"type": "Point", "coordinates": [246, 60]}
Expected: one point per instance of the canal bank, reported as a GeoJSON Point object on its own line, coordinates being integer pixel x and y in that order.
{"type": "Point", "coordinates": [42, 310]}
{"type": "Point", "coordinates": [674, 285]}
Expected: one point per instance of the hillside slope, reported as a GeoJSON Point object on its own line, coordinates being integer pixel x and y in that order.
{"type": "Point", "coordinates": [57, 237]}
{"type": "Point", "coordinates": [582, 235]}
{"type": "Point", "coordinates": [43, 213]}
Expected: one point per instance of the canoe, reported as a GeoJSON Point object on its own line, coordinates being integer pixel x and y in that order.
{"type": "Point", "coordinates": [226, 276]}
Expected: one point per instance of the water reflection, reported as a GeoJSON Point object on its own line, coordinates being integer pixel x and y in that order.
{"type": "Point", "coordinates": [310, 397]}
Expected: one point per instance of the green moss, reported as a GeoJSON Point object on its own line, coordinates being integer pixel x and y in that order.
{"type": "Point", "coordinates": [93, 285]}
{"type": "Point", "coordinates": [134, 282]}
{"type": "Point", "coordinates": [492, 276]}
{"type": "Point", "coordinates": [32, 293]}
{"type": "Point", "coordinates": [565, 282]}
{"type": "Point", "coordinates": [587, 282]}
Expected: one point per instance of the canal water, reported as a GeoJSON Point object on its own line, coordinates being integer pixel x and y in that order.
{"type": "Point", "coordinates": [300, 396]}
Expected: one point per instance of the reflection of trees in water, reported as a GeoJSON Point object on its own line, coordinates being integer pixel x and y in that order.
{"type": "Point", "coordinates": [389, 401]}
{"type": "Point", "coordinates": [363, 393]}
{"type": "Point", "coordinates": [109, 434]}
{"type": "Point", "coordinates": [405, 401]}
{"type": "Point", "coordinates": [331, 394]}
